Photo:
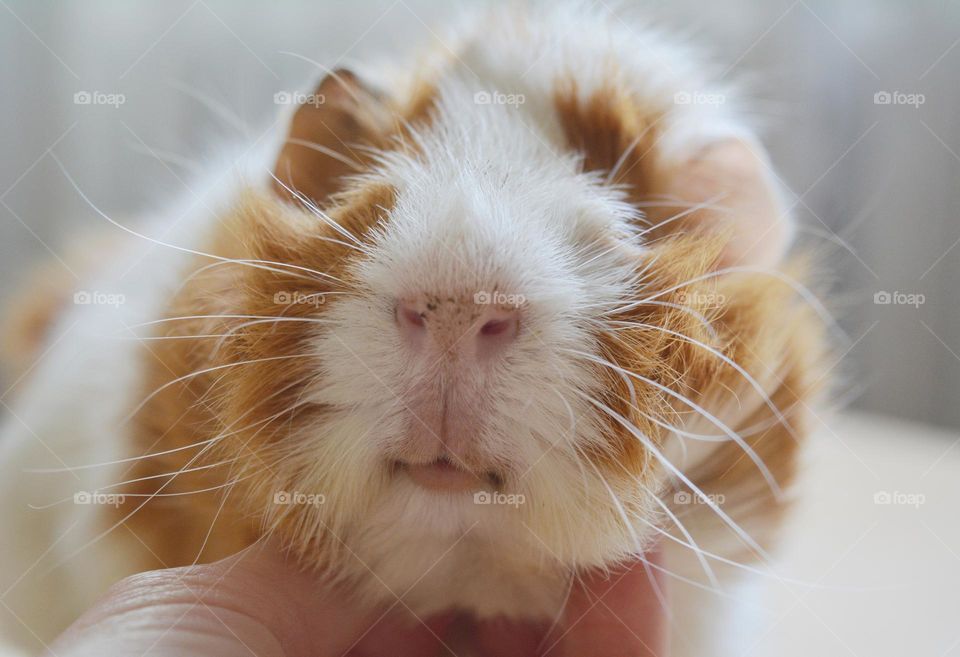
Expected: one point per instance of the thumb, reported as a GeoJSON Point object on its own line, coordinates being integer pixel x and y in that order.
{"type": "Point", "coordinates": [618, 613]}
{"type": "Point", "coordinates": [257, 601]}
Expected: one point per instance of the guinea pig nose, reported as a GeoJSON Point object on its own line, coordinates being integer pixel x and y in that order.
{"type": "Point", "coordinates": [464, 327]}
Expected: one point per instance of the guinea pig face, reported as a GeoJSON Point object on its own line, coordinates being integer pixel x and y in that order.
{"type": "Point", "coordinates": [498, 344]}
{"type": "Point", "coordinates": [450, 373]}
{"type": "Point", "coordinates": [461, 370]}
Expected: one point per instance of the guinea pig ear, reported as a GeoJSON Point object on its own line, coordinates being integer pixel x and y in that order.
{"type": "Point", "coordinates": [326, 131]}
{"type": "Point", "coordinates": [733, 186]}
{"type": "Point", "coordinates": [683, 183]}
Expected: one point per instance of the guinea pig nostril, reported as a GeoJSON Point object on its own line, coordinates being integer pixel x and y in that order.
{"type": "Point", "coordinates": [410, 317]}
{"type": "Point", "coordinates": [494, 327]}
{"type": "Point", "coordinates": [499, 327]}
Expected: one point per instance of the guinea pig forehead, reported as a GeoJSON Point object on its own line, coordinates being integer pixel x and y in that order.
{"type": "Point", "coordinates": [456, 242]}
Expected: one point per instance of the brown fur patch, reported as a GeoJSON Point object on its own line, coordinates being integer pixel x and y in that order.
{"type": "Point", "coordinates": [247, 405]}
{"type": "Point", "coordinates": [731, 179]}
{"type": "Point", "coordinates": [758, 323]}
{"type": "Point", "coordinates": [609, 129]}
{"type": "Point", "coordinates": [328, 137]}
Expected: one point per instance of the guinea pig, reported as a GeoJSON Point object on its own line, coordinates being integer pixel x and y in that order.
{"type": "Point", "coordinates": [467, 326]}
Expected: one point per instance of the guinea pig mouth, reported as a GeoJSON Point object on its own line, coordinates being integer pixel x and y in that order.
{"type": "Point", "coordinates": [444, 475]}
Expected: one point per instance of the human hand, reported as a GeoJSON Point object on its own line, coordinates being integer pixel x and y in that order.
{"type": "Point", "coordinates": [260, 603]}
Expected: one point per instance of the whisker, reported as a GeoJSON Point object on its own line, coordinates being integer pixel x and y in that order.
{"type": "Point", "coordinates": [732, 363]}
{"type": "Point", "coordinates": [123, 520]}
{"type": "Point", "coordinates": [216, 516]}
{"type": "Point", "coordinates": [90, 466]}
{"type": "Point", "coordinates": [326, 70]}
{"type": "Point", "coordinates": [684, 213]}
{"type": "Point", "coordinates": [219, 109]}
{"type": "Point", "coordinates": [700, 317]}
{"type": "Point", "coordinates": [761, 466]}
{"type": "Point", "coordinates": [805, 293]}
{"type": "Point", "coordinates": [169, 474]}
{"type": "Point", "coordinates": [168, 157]}
{"type": "Point", "coordinates": [744, 536]}
{"type": "Point", "coordinates": [120, 522]}
{"type": "Point", "coordinates": [190, 492]}
{"type": "Point", "coordinates": [339, 157]}
{"type": "Point", "coordinates": [201, 372]}
{"type": "Point", "coordinates": [705, 565]}
{"type": "Point", "coordinates": [49, 505]}
{"type": "Point", "coordinates": [615, 169]}
{"type": "Point", "coordinates": [194, 317]}
{"type": "Point", "coordinates": [251, 263]}
{"type": "Point", "coordinates": [272, 320]}
{"type": "Point", "coordinates": [360, 246]}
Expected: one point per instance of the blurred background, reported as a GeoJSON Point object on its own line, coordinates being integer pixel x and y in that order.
{"type": "Point", "coordinates": [857, 100]}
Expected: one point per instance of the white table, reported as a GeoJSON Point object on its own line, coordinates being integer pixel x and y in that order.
{"type": "Point", "coordinates": [903, 556]}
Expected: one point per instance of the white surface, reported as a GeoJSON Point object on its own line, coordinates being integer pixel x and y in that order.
{"type": "Point", "coordinates": [890, 574]}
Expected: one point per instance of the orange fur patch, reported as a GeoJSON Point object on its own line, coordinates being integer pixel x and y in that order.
{"type": "Point", "coordinates": [757, 322]}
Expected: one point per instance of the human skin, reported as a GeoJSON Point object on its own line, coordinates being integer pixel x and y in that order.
{"type": "Point", "coordinates": [259, 602]}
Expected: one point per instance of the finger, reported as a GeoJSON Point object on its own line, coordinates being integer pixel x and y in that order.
{"type": "Point", "coordinates": [502, 637]}
{"type": "Point", "coordinates": [619, 613]}
{"type": "Point", "coordinates": [256, 602]}
{"type": "Point", "coordinates": [401, 634]}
